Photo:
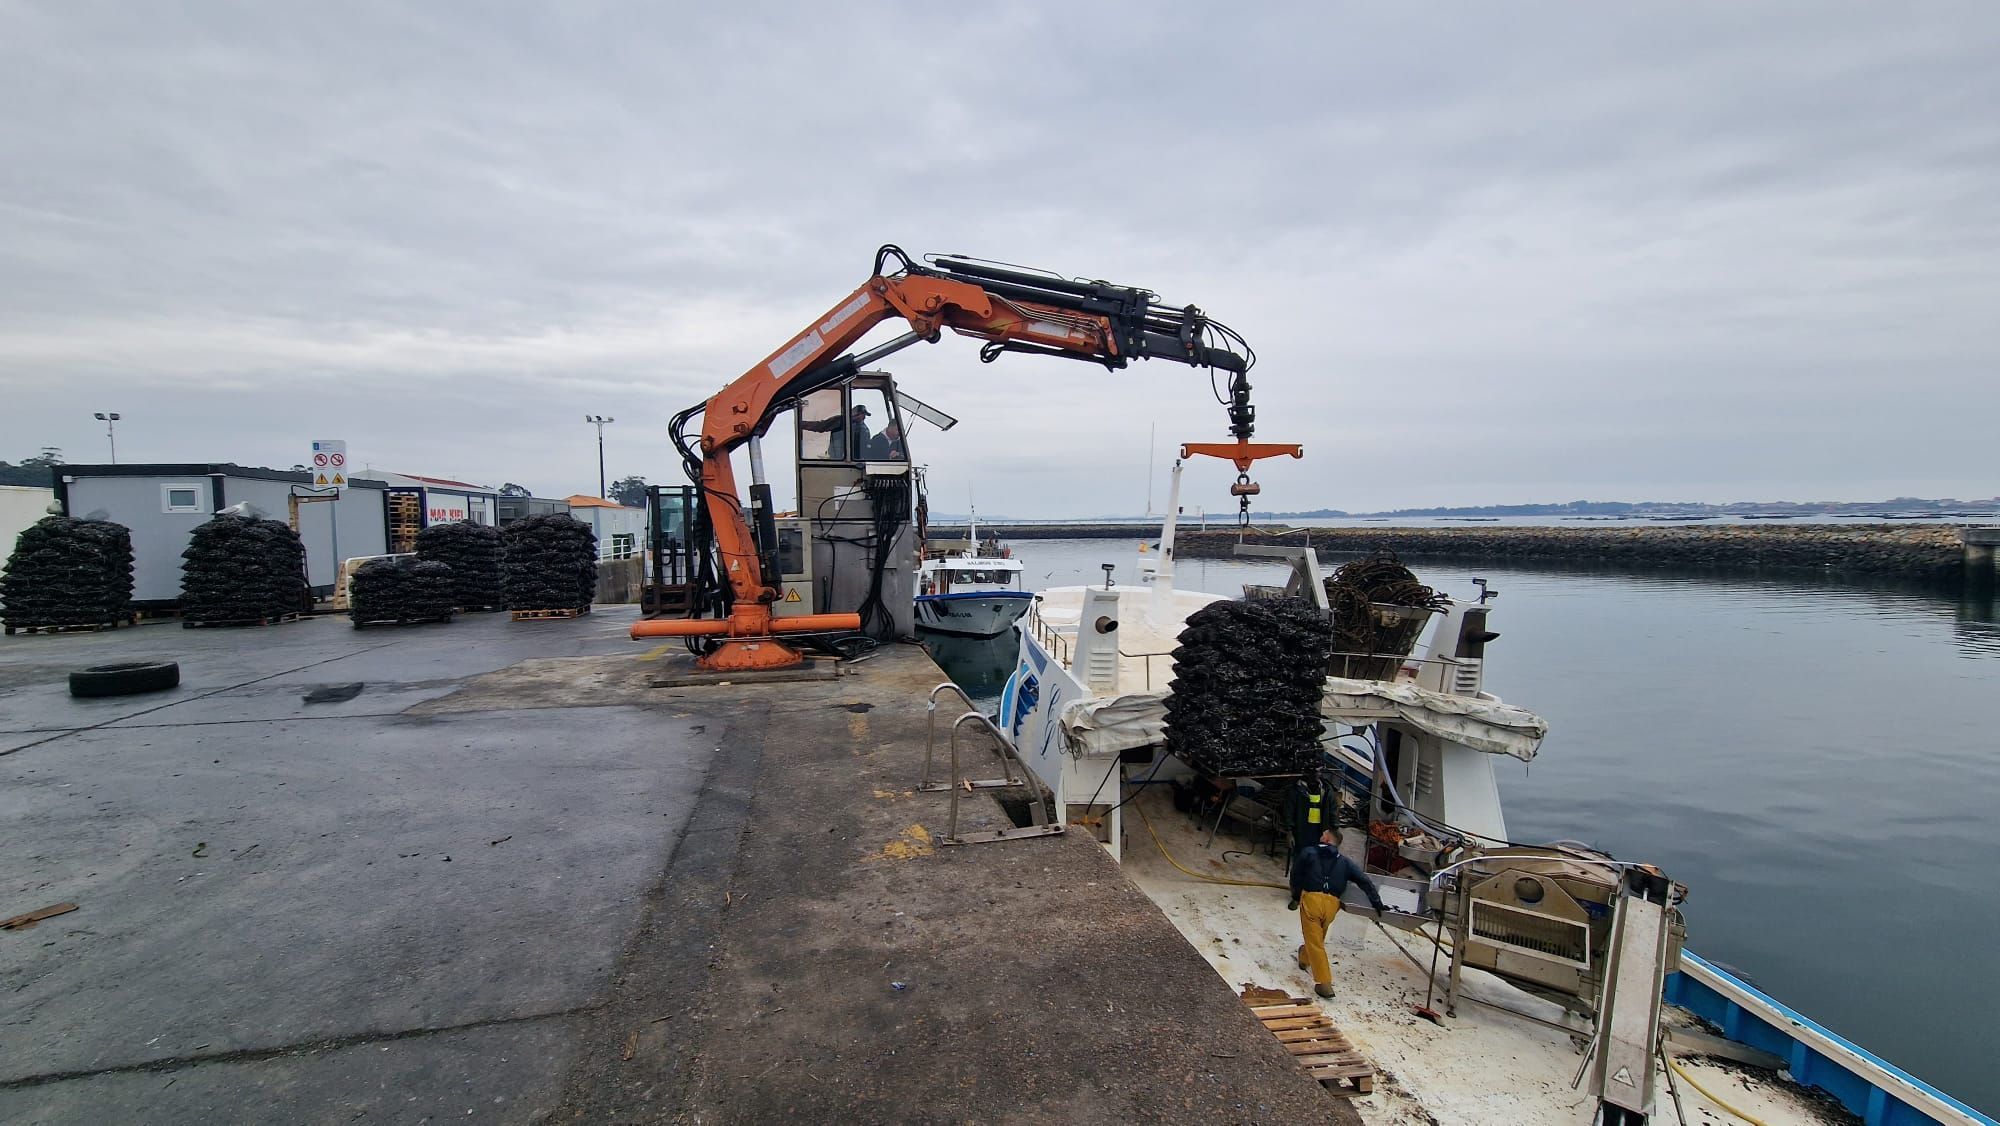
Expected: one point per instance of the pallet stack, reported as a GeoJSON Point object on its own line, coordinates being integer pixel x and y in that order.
{"type": "Point", "coordinates": [473, 553]}
{"type": "Point", "coordinates": [1246, 688]}
{"type": "Point", "coordinates": [550, 566]}
{"type": "Point", "coordinates": [400, 591]}
{"type": "Point", "coordinates": [240, 570]}
{"type": "Point", "coordinates": [67, 574]}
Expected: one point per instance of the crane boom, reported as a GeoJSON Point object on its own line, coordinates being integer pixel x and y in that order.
{"type": "Point", "coordinates": [1011, 310]}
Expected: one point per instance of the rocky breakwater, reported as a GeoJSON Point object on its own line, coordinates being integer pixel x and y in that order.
{"type": "Point", "coordinates": [1930, 552]}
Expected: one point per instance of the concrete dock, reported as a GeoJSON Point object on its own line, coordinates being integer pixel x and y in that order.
{"type": "Point", "coordinates": [512, 880]}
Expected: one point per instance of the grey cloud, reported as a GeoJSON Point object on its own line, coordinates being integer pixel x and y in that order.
{"type": "Point", "coordinates": [1510, 253]}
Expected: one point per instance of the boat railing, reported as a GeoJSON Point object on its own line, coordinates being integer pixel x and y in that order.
{"type": "Point", "coordinates": [1352, 666]}
{"type": "Point", "coordinates": [1148, 666]}
{"type": "Point", "coordinates": [1038, 809]}
{"type": "Point", "coordinates": [1384, 666]}
{"type": "Point", "coordinates": [930, 744]}
{"type": "Point", "coordinates": [1054, 642]}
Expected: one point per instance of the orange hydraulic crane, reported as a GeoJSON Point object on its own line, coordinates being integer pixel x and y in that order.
{"type": "Point", "coordinates": [1012, 310]}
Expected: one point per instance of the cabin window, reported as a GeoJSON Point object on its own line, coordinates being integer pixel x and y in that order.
{"type": "Point", "coordinates": [861, 425]}
{"type": "Point", "coordinates": [181, 498]}
{"type": "Point", "coordinates": [878, 433]}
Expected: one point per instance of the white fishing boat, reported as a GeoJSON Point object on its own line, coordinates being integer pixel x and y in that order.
{"type": "Point", "coordinates": [1562, 993]}
{"type": "Point", "coordinates": [973, 590]}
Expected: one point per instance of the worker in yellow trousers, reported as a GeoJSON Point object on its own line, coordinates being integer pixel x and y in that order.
{"type": "Point", "coordinates": [1320, 875]}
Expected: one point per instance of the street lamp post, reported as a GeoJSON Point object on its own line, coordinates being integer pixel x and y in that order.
{"type": "Point", "coordinates": [110, 421]}
{"type": "Point", "coordinates": [599, 421]}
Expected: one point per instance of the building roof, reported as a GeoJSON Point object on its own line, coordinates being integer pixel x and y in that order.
{"type": "Point", "coordinates": [200, 469]}
{"type": "Point", "coordinates": [584, 500]}
{"type": "Point", "coordinates": [445, 482]}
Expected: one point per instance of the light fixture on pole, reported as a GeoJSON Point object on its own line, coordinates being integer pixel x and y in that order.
{"type": "Point", "coordinates": [599, 421]}
{"type": "Point", "coordinates": [110, 422]}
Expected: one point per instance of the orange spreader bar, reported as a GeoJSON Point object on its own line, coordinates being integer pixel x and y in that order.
{"type": "Point", "coordinates": [1242, 453]}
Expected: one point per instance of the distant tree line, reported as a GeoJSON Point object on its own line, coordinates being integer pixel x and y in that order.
{"type": "Point", "coordinates": [37, 472]}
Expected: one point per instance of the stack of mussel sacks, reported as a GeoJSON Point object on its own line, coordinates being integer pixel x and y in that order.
{"type": "Point", "coordinates": [66, 572]}
{"type": "Point", "coordinates": [240, 569]}
{"type": "Point", "coordinates": [550, 563]}
{"type": "Point", "coordinates": [1246, 689]}
{"type": "Point", "coordinates": [399, 589]}
{"type": "Point", "coordinates": [1379, 609]}
{"type": "Point", "coordinates": [472, 551]}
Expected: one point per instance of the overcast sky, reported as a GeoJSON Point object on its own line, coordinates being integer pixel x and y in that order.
{"type": "Point", "coordinates": [1486, 253]}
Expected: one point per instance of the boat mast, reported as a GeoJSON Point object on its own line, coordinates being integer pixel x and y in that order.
{"type": "Point", "coordinates": [1160, 609]}
{"type": "Point", "coordinates": [1152, 445]}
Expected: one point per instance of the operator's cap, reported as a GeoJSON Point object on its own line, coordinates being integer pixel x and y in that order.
{"type": "Point", "coordinates": [860, 409]}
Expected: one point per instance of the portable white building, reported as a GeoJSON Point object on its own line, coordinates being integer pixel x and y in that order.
{"type": "Point", "coordinates": [20, 506]}
{"type": "Point", "coordinates": [621, 531]}
{"type": "Point", "coordinates": [162, 503]}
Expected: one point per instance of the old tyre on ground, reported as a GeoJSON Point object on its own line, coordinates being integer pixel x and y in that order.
{"type": "Point", "coordinates": [125, 678]}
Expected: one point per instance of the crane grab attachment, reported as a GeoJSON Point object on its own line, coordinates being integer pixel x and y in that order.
{"type": "Point", "coordinates": [1013, 311]}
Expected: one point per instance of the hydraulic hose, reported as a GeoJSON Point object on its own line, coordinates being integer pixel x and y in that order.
{"type": "Point", "coordinates": [1710, 1095]}
{"type": "Point", "coordinates": [1161, 845]}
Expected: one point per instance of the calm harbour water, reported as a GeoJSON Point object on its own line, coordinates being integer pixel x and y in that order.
{"type": "Point", "coordinates": [1818, 762]}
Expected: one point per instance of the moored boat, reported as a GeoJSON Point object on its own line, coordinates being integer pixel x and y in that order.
{"type": "Point", "coordinates": [973, 590]}
{"type": "Point", "coordinates": [1562, 968]}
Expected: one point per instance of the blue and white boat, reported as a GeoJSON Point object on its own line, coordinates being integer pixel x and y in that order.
{"type": "Point", "coordinates": [973, 591]}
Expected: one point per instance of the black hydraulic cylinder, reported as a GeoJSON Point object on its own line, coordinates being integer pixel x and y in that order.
{"type": "Point", "coordinates": [980, 271]}
{"type": "Point", "coordinates": [767, 535]}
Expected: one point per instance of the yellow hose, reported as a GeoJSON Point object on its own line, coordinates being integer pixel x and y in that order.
{"type": "Point", "coordinates": [1190, 872]}
{"type": "Point", "coordinates": [1710, 1095]}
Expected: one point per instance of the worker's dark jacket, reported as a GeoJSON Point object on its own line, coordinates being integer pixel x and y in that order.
{"type": "Point", "coordinates": [1309, 812]}
{"type": "Point", "coordinates": [1319, 867]}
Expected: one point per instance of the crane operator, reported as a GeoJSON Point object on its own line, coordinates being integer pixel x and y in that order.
{"type": "Point", "coordinates": [856, 433]}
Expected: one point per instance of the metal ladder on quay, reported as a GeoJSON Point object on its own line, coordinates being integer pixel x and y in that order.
{"type": "Point", "coordinates": [1040, 825]}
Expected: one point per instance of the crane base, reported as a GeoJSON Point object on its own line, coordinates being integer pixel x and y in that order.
{"type": "Point", "coordinates": [752, 654]}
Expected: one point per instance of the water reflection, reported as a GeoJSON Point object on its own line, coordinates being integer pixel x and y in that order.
{"type": "Point", "coordinates": [979, 665]}
{"type": "Point", "coordinates": [1977, 627]}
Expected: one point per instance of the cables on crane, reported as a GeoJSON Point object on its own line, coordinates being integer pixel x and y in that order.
{"type": "Point", "coordinates": [890, 497]}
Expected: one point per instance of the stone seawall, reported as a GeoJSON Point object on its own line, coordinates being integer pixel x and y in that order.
{"type": "Point", "coordinates": [1929, 552]}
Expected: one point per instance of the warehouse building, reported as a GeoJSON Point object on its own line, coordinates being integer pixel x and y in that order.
{"type": "Point", "coordinates": [163, 503]}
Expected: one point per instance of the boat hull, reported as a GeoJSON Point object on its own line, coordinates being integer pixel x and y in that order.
{"type": "Point", "coordinates": [974, 613]}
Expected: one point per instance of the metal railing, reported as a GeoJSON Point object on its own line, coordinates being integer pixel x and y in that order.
{"type": "Point", "coordinates": [1372, 666]}
{"type": "Point", "coordinates": [1149, 663]}
{"type": "Point", "coordinates": [1055, 643]}
{"type": "Point", "coordinates": [925, 785]}
{"type": "Point", "coordinates": [1038, 805]}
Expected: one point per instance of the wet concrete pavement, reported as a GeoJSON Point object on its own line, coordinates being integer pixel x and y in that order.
{"type": "Point", "coordinates": [511, 881]}
{"type": "Point", "coordinates": [312, 911]}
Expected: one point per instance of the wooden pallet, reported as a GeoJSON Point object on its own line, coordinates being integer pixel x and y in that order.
{"type": "Point", "coordinates": [85, 627]}
{"type": "Point", "coordinates": [188, 623]}
{"type": "Point", "coordinates": [372, 622]}
{"type": "Point", "coordinates": [538, 615]}
{"type": "Point", "coordinates": [1303, 1028]}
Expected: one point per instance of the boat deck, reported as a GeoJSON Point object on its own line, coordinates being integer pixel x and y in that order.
{"type": "Point", "coordinates": [1484, 1066]}
{"type": "Point", "coordinates": [1144, 644]}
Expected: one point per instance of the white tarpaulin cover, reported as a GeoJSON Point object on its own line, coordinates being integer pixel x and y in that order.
{"type": "Point", "coordinates": [1104, 724]}
{"type": "Point", "coordinates": [1483, 725]}
{"type": "Point", "coordinates": [1138, 719]}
